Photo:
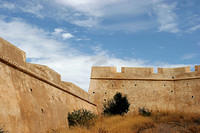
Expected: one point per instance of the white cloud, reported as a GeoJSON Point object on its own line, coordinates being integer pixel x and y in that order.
{"type": "Point", "coordinates": [194, 28]}
{"type": "Point", "coordinates": [89, 7]}
{"type": "Point", "coordinates": [67, 36]}
{"type": "Point", "coordinates": [7, 5]}
{"type": "Point", "coordinates": [33, 9]}
{"type": "Point", "coordinates": [93, 13]}
{"type": "Point", "coordinates": [89, 22]}
{"type": "Point", "coordinates": [189, 56]}
{"type": "Point", "coordinates": [167, 18]}
{"type": "Point", "coordinates": [99, 10]}
{"type": "Point", "coordinates": [73, 65]}
{"type": "Point", "coordinates": [59, 32]}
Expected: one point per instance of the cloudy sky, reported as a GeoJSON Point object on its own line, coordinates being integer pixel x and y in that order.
{"type": "Point", "coordinates": [70, 36]}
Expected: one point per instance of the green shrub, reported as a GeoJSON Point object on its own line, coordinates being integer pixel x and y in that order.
{"type": "Point", "coordinates": [119, 105]}
{"type": "Point", "coordinates": [144, 111]}
{"type": "Point", "coordinates": [2, 131]}
{"type": "Point", "coordinates": [81, 117]}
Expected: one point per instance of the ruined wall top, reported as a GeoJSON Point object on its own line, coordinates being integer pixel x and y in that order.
{"type": "Point", "coordinates": [144, 73]}
{"type": "Point", "coordinates": [13, 53]}
{"type": "Point", "coordinates": [13, 56]}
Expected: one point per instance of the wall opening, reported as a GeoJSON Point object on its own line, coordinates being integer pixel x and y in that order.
{"type": "Point", "coordinates": [119, 69]}
{"type": "Point", "coordinates": [135, 84]}
{"type": "Point", "coordinates": [187, 84]}
{"type": "Point", "coordinates": [42, 110]}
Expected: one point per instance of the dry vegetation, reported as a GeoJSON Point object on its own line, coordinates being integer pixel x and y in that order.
{"type": "Point", "coordinates": [156, 123]}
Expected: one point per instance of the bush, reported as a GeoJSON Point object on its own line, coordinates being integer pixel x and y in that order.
{"type": "Point", "coordinates": [2, 131]}
{"type": "Point", "coordinates": [81, 117]}
{"type": "Point", "coordinates": [144, 112]}
{"type": "Point", "coordinates": [118, 105]}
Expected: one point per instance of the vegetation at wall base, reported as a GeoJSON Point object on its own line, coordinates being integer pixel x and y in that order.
{"type": "Point", "coordinates": [144, 111]}
{"type": "Point", "coordinates": [2, 131]}
{"type": "Point", "coordinates": [81, 117]}
{"type": "Point", "coordinates": [159, 122]}
{"type": "Point", "coordinates": [119, 105]}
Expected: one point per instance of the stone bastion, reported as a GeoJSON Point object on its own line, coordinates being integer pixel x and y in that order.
{"type": "Point", "coordinates": [170, 89]}
{"type": "Point", "coordinates": [33, 98]}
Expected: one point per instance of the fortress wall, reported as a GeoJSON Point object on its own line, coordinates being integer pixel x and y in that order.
{"type": "Point", "coordinates": [188, 95]}
{"type": "Point", "coordinates": [11, 52]}
{"type": "Point", "coordinates": [32, 97]}
{"type": "Point", "coordinates": [154, 95]}
{"type": "Point", "coordinates": [162, 91]}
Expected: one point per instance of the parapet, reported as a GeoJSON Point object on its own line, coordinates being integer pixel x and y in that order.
{"type": "Point", "coordinates": [137, 70]}
{"type": "Point", "coordinates": [102, 71]}
{"type": "Point", "coordinates": [70, 87]}
{"type": "Point", "coordinates": [126, 72]}
{"type": "Point", "coordinates": [197, 68]}
{"type": "Point", "coordinates": [174, 71]}
{"type": "Point", "coordinates": [14, 54]}
{"type": "Point", "coordinates": [45, 72]}
{"type": "Point", "coordinates": [142, 73]}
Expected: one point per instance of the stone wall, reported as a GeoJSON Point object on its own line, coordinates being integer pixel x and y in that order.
{"type": "Point", "coordinates": [33, 99]}
{"type": "Point", "coordinates": [170, 89]}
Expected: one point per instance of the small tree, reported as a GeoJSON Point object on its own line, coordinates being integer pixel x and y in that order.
{"type": "Point", "coordinates": [118, 105]}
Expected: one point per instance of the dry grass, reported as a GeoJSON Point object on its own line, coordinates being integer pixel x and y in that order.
{"type": "Point", "coordinates": [136, 123]}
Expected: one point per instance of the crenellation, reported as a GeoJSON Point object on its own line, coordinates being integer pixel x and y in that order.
{"type": "Point", "coordinates": [174, 71]}
{"type": "Point", "coordinates": [139, 73]}
{"type": "Point", "coordinates": [102, 71]}
{"type": "Point", "coordinates": [197, 68]}
{"type": "Point", "coordinates": [137, 70]}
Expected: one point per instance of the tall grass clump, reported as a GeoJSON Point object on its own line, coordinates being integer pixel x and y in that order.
{"type": "Point", "coordinates": [119, 105]}
{"type": "Point", "coordinates": [81, 117]}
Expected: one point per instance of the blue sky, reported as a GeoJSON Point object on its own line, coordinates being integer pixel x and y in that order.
{"type": "Point", "coordinates": [70, 36]}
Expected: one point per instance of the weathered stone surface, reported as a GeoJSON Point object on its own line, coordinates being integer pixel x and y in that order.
{"type": "Point", "coordinates": [33, 99]}
{"type": "Point", "coordinates": [171, 89]}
